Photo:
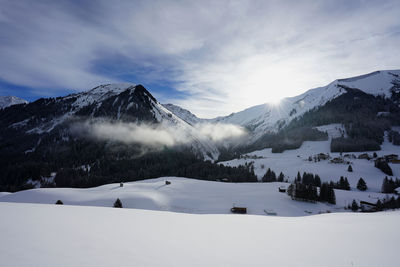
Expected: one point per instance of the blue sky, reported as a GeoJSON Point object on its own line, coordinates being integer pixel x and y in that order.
{"type": "Point", "coordinates": [212, 57]}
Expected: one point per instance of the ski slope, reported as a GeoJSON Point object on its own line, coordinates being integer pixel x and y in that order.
{"type": "Point", "coordinates": [53, 235]}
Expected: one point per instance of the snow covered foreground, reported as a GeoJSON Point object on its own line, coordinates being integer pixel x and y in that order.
{"type": "Point", "coordinates": [53, 235]}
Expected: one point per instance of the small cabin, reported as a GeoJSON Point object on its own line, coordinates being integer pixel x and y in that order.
{"type": "Point", "coordinates": [391, 157]}
{"type": "Point", "coordinates": [240, 210]}
{"type": "Point", "coordinates": [322, 156]}
{"type": "Point", "coordinates": [282, 189]}
{"type": "Point", "coordinates": [367, 206]}
{"type": "Point", "coordinates": [337, 160]}
{"type": "Point", "coordinates": [364, 156]}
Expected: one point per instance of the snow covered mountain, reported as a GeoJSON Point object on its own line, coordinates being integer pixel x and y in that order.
{"type": "Point", "coordinates": [114, 124]}
{"type": "Point", "coordinates": [6, 101]}
{"type": "Point", "coordinates": [270, 118]}
{"type": "Point", "coordinates": [125, 103]}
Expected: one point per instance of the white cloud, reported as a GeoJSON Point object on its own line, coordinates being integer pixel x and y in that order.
{"type": "Point", "coordinates": [156, 135]}
{"type": "Point", "coordinates": [220, 132]}
{"type": "Point", "coordinates": [226, 55]}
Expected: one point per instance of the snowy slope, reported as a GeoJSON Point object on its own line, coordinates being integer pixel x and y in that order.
{"type": "Point", "coordinates": [184, 114]}
{"type": "Point", "coordinates": [6, 101]}
{"type": "Point", "coordinates": [191, 196]}
{"type": "Point", "coordinates": [99, 93]}
{"type": "Point", "coordinates": [267, 117]}
{"type": "Point", "coordinates": [292, 161]}
{"type": "Point", "coordinates": [52, 235]}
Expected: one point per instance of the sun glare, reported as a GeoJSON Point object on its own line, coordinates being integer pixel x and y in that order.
{"type": "Point", "coordinates": [274, 101]}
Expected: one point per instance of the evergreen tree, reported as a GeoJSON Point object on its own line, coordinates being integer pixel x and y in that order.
{"type": "Point", "coordinates": [59, 202]}
{"type": "Point", "coordinates": [362, 185]}
{"type": "Point", "coordinates": [346, 184]}
{"type": "Point", "coordinates": [385, 186]}
{"type": "Point", "coordinates": [273, 176]}
{"type": "Point", "coordinates": [323, 192]}
{"type": "Point", "coordinates": [317, 181]}
{"type": "Point", "coordinates": [298, 177]}
{"type": "Point", "coordinates": [354, 205]}
{"type": "Point", "coordinates": [350, 169]}
{"type": "Point", "coordinates": [290, 190]}
{"type": "Point", "coordinates": [269, 176]}
{"type": "Point", "coordinates": [281, 177]}
{"type": "Point", "coordinates": [384, 167]}
{"type": "Point", "coordinates": [379, 206]}
{"type": "Point", "coordinates": [118, 203]}
{"type": "Point", "coordinates": [331, 194]}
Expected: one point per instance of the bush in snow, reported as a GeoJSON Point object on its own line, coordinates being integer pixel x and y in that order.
{"type": "Point", "coordinates": [118, 203]}
{"type": "Point", "coordinates": [59, 202]}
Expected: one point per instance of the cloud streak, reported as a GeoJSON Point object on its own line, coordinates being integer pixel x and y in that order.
{"type": "Point", "coordinates": [223, 56]}
{"type": "Point", "coordinates": [157, 135]}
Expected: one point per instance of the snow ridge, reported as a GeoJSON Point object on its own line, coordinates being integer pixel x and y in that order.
{"type": "Point", "coordinates": [7, 101]}
{"type": "Point", "coordinates": [270, 118]}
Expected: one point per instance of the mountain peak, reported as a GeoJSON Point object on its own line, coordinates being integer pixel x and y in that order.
{"type": "Point", "coordinates": [6, 101]}
{"type": "Point", "coordinates": [114, 88]}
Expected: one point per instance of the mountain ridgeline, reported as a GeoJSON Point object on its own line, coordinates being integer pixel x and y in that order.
{"type": "Point", "coordinates": [49, 142]}
{"type": "Point", "coordinates": [107, 134]}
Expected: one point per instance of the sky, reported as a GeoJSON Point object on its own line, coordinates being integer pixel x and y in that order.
{"type": "Point", "coordinates": [211, 57]}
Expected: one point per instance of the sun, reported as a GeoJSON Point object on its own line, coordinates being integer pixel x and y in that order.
{"type": "Point", "coordinates": [274, 101]}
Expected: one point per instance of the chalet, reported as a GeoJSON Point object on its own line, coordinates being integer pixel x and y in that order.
{"type": "Point", "coordinates": [240, 210]}
{"type": "Point", "coordinates": [391, 157]}
{"type": "Point", "coordinates": [337, 160]}
{"type": "Point", "coordinates": [322, 156]}
{"type": "Point", "coordinates": [367, 206]}
{"type": "Point", "coordinates": [364, 156]}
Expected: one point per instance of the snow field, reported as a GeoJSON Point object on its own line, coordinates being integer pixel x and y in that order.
{"type": "Point", "coordinates": [191, 196]}
{"type": "Point", "coordinates": [53, 235]}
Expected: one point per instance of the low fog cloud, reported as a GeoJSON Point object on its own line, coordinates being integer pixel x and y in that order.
{"type": "Point", "coordinates": [157, 135]}
{"type": "Point", "coordinates": [219, 132]}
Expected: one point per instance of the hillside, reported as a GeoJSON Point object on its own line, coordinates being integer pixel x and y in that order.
{"type": "Point", "coordinates": [193, 196]}
{"type": "Point", "coordinates": [271, 117]}
{"type": "Point", "coordinates": [297, 160]}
